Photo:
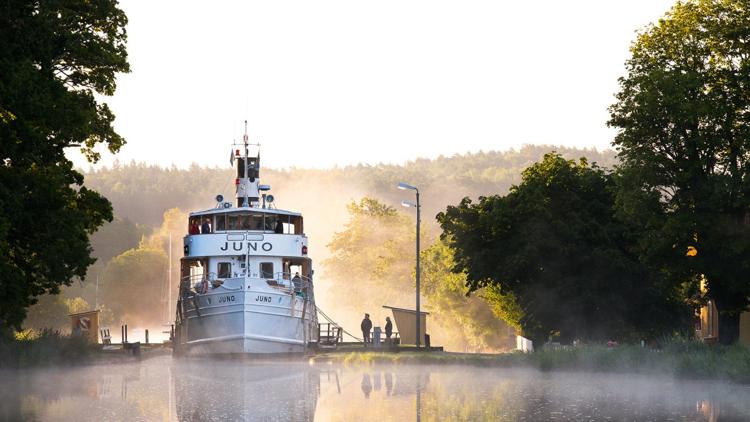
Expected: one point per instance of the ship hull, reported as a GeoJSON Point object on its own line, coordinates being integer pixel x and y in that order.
{"type": "Point", "coordinates": [249, 322]}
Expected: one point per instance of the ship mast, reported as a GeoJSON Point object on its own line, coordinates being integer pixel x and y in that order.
{"type": "Point", "coordinates": [248, 173]}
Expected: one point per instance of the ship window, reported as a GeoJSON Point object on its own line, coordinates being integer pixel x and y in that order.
{"type": "Point", "coordinates": [245, 222]}
{"type": "Point", "coordinates": [296, 223]}
{"type": "Point", "coordinates": [233, 222]}
{"type": "Point", "coordinates": [269, 223]}
{"type": "Point", "coordinates": [240, 167]}
{"type": "Point", "coordinates": [251, 221]}
{"type": "Point", "coordinates": [266, 269]}
{"type": "Point", "coordinates": [194, 226]}
{"type": "Point", "coordinates": [225, 269]}
{"type": "Point", "coordinates": [221, 222]}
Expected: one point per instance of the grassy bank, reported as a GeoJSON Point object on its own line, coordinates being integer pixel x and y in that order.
{"type": "Point", "coordinates": [682, 359]}
{"type": "Point", "coordinates": [44, 348]}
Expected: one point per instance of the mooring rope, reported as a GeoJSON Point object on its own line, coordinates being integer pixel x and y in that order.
{"type": "Point", "coordinates": [330, 320]}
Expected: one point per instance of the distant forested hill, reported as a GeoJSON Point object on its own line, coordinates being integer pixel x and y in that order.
{"type": "Point", "coordinates": [141, 193]}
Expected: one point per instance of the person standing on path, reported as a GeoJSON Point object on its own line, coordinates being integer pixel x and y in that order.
{"type": "Point", "coordinates": [366, 326]}
{"type": "Point", "coordinates": [388, 330]}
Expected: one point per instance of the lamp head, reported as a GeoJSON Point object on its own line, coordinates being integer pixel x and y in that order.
{"type": "Point", "coordinates": [407, 204]}
{"type": "Point", "coordinates": [406, 186]}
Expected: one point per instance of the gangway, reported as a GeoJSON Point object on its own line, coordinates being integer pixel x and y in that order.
{"type": "Point", "coordinates": [329, 335]}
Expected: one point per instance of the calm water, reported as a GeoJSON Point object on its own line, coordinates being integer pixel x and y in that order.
{"type": "Point", "coordinates": [200, 390]}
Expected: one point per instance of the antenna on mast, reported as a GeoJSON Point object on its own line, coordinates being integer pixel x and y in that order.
{"type": "Point", "coordinates": [244, 137]}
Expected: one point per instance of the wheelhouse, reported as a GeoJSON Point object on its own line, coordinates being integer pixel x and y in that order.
{"type": "Point", "coordinates": [245, 220]}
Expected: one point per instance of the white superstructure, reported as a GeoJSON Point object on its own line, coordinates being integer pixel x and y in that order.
{"type": "Point", "coordinates": [246, 284]}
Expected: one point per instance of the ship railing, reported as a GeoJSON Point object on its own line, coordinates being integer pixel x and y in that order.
{"type": "Point", "coordinates": [193, 284]}
{"type": "Point", "coordinates": [292, 284]}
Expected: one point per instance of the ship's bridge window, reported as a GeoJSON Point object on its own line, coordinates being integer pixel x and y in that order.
{"type": "Point", "coordinates": [240, 221]}
{"type": "Point", "coordinates": [286, 224]}
{"type": "Point", "coordinates": [252, 222]}
{"type": "Point", "coordinates": [225, 269]}
{"type": "Point", "coordinates": [220, 222]}
{"type": "Point", "coordinates": [269, 223]}
{"type": "Point", "coordinates": [233, 222]}
{"type": "Point", "coordinates": [194, 226]}
{"type": "Point", "coordinates": [296, 224]}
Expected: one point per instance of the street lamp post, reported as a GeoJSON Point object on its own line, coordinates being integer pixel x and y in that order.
{"type": "Point", "coordinates": [406, 186]}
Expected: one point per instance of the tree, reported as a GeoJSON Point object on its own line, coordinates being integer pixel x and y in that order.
{"type": "Point", "coordinates": [131, 284]}
{"type": "Point", "coordinates": [55, 55]}
{"type": "Point", "coordinates": [468, 321]}
{"type": "Point", "coordinates": [368, 263]}
{"type": "Point", "coordinates": [51, 311]}
{"type": "Point", "coordinates": [684, 139]}
{"type": "Point", "coordinates": [554, 258]}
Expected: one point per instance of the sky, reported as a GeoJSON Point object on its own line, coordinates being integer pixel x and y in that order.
{"type": "Point", "coordinates": [335, 83]}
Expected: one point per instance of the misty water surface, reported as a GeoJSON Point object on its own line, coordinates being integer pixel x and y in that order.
{"type": "Point", "coordinates": [196, 390]}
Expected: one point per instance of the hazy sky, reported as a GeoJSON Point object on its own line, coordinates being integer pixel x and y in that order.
{"type": "Point", "coordinates": [326, 83]}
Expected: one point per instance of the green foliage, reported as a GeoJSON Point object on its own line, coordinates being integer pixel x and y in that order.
{"type": "Point", "coordinates": [131, 285]}
{"type": "Point", "coordinates": [50, 312]}
{"type": "Point", "coordinates": [115, 238]}
{"type": "Point", "coordinates": [55, 56]}
{"type": "Point", "coordinates": [556, 259]}
{"type": "Point", "coordinates": [367, 257]}
{"type": "Point", "coordinates": [684, 139]}
{"type": "Point", "coordinates": [469, 320]}
{"type": "Point", "coordinates": [376, 246]}
{"type": "Point", "coordinates": [43, 348]}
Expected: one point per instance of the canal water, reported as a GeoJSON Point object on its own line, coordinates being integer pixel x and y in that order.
{"type": "Point", "coordinates": [163, 389]}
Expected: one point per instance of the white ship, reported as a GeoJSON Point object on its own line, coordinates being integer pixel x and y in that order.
{"type": "Point", "coordinates": [246, 284]}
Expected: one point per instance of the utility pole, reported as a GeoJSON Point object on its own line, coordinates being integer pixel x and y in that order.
{"type": "Point", "coordinates": [169, 281]}
{"type": "Point", "coordinates": [406, 186]}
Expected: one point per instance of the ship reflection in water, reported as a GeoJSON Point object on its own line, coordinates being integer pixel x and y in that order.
{"type": "Point", "coordinates": [162, 389]}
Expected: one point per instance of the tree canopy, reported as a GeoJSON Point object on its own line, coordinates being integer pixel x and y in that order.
{"type": "Point", "coordinates": [372, 264]}
{"type": "Point", "coordinates": [683, 121]}
{"type": "Point", "coordinates": [130, 283]}
{"type": "Point", "coordinates": [554, 258]}
{"type": "Point", "coordinates": [55, 56]}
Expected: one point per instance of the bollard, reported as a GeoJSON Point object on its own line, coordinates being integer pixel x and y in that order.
{"type": "Point", "coordinates": [146, 335]}
{"type": "Point", "coordinates": [376, 337]}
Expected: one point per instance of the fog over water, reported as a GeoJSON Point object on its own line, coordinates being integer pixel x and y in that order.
{"type": "Point", "coordinates": [163, 389]}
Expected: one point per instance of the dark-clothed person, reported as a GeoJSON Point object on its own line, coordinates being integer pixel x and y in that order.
{"type": "Point", "coordinates": [297, 282]}
{"type": "Point", "coordinates": [279, 229]}
{"type": "Point", "coordinates": [388, 329]}
{"type": "Point", "coordinates": [205, 227]}
{"type": "Point", "coordinates": [366, 326]}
